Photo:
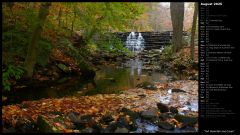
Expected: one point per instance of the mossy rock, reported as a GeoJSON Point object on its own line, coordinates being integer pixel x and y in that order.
{"type": "Point", "coordinates": [63, 67]}
{"type": "Point", "coordinates": [45, 126]}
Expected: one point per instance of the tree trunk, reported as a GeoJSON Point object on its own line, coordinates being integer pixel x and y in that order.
{"type": "Point", "coordinates": [73, 21]}
{"type": "Point", "coordinates": [30, 60]}
{"type": "Point", "coordinates": [193, 31]}
{"type": "Point", "coordinates": [59, 17]}
{"type": "Point", "coordinates": [177, 16]}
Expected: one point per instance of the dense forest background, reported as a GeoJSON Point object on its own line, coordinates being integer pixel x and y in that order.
{"type": "Point", "coordinates": [32, 32]}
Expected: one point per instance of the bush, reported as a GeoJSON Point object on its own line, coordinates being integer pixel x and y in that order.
{"type": "Point", "coordinates": [167, 53]}
{"type": "Point", "coordinates": [11, 72]}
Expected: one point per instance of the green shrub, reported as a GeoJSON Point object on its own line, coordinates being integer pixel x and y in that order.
{"type": "Point", "coordinates": [167, 53]}
{"type": "Point", "coordinates": [11, 72]}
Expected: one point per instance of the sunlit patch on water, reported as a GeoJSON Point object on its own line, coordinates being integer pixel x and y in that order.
{"type": "Point", "coordinates": [146, 127]}
{"type": "Point", "coordinates": [183, 101]}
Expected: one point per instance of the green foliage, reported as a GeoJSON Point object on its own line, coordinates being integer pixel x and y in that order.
{"type": "Point", "coordinates": [44, 51]}
{"type": "Point", "coordinates": [113, 44]}
{"type": "Point", "coordinates": [182, 61]}
{"type": "Point", "coordinates": [168, 53]}
{"type": "Point", "coordinates": [11, 72]}
{"type": "Point", "coordinates": [92, 47]}
{"type": "Point", "coordinates": [91, 19]}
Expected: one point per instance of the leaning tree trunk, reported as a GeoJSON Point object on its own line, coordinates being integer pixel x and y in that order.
{"type": "Point", "coordinates": [193, 31]}
{"type": "Point", "coordinates": [30, 60]}
{"type": "Point", "coordinates": [177, 16]}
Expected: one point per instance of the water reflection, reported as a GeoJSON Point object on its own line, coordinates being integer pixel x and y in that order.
{"type": "Point", "coordinates": [108, 80]}
{"type": "Point", "coordinates": [135, 64]}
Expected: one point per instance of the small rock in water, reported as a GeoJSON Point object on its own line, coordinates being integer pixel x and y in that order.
{"type": "Point", "coordinates": [121, 130]}
{"type": "Point", "coordinates": [106, 119]}
{"type": "Point", "coordinates": [132, 114]}
{"type": "Point", "coordinates": [162, 107]}
{"type": "Point", "coordinates": [173, 109]}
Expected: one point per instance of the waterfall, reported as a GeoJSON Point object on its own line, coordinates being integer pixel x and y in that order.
{"type": "Point", "coordinates": [135, 44]}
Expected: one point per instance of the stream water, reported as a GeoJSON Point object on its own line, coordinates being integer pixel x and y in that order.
{"type": "Point", "coordinates": [108, 80]}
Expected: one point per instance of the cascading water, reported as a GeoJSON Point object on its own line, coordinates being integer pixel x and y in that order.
{"type": "Point", "coordinates": [135, 44]}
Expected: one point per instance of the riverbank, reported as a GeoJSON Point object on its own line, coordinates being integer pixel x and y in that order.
{"type": "Point", "coordinates": [143, 109]}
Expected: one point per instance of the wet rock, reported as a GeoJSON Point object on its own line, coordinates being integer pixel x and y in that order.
{"type": "Point", "coordinates": [81, 123]}
{"type": "Point", "coordinates": [87, 130]}
{"type": "Point", "coordinates": [133, 115]}
{"type": "Point", "coordinates": [87, 120]}
{"type": "Point", "coordinates": [25, 126]}
{"type": "Point", "coordinates": [97, 127]}
{"type": "Point", "coordinates": [150, 114]}
{"type": "Point", "coordinates": [73, 117]}
{"type": "Point", "coordinates": [173, 109]}
{"type": "Point", "coordinates": [122, 122]}
{"type": "Point", "coordinates": [147, 85]}
{"type": "Point", "coordinates": [178, 90]}
{"type": "Point", "coordinates": [110, 128]}
{"type": "Point", "coordinates": [162, 107]}
{"type": "Point", "coordinates": [186, 120]}
{"type": "Point", "coordinates": [106, 119]}
{"type": "Point", "coordinates": [121, 130]}
{"type": "Point", "coordinates": [165, 116]}
{"type": "Point", "coordinates": [165, 125]}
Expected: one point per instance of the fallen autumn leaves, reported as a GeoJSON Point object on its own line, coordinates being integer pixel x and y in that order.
{"type": "Point", "coordinates": [95, 106]}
